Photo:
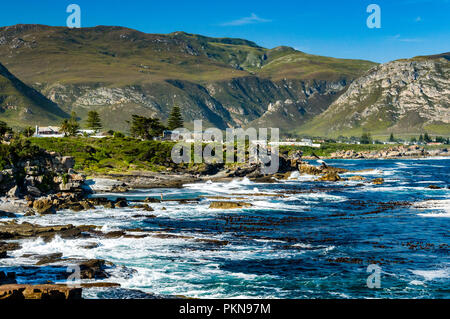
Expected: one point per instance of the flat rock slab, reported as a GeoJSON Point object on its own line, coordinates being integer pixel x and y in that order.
{"type": "Point", "coordinates": [45, 292]}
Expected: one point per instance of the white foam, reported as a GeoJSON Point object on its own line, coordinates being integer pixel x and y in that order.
{"type": "Point", "coordinates": [442, 206]}
{"type": "Point", "coordinates": [432, 274]}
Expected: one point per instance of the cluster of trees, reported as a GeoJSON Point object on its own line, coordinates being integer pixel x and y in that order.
{"type": "Point", "coordinates": [148, 127]}
{"type": "Point", "coordinates": [425, 138]}
{"type": "Point", "coordinates": [366, 138]}
{"type": "Point", "coordinates": [140, 126]}
{"type": "Point", "coordinates": [71, 126]}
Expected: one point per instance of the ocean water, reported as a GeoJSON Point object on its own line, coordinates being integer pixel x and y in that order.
{"type": "Point", "coordinates": [300, 239]}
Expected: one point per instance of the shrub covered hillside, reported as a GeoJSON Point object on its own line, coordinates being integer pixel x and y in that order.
{"type": "Point", "coordinates": [97, 156]}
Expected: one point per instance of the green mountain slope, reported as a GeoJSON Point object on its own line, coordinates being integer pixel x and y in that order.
{"type": "Point", "coordinates": [21, 104]}
{"type": "Point", "coordinates": [119, 71]}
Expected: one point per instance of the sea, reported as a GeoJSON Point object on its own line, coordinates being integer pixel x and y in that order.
{"type": "Point", "coordinates": [299, 239]}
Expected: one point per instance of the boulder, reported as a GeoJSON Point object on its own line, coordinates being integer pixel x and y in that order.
{"type": "Point", "coordinates": [34, 191]}
{"type": "Point", "coordinates": [93, 269]}
{"type": "Point", "coordinates": [434, 187]}
{"type": "Point", "coordinates": [44, 206]}
{"type": "Point", "coordinates": [330, 177]}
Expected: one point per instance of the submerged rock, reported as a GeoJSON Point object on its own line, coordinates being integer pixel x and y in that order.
{"type": "Point", "coordinates": [229, 205]}
{"type": "Point", "coordinates": [378, 181]}
{"type": "Point", "coordinates": [356, 178]}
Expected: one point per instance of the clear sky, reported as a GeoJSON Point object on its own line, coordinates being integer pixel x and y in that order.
{"type": "Point", "coordinates": [332, 28]}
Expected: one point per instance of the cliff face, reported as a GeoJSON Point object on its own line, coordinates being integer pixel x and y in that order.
{"type": "Point", "coordinates": [237, 102]}
{"type": "Point", "coordinates": [405, 96]}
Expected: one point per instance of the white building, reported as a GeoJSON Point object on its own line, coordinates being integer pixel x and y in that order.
{"type": "Point", "coordinates": [48, 131]}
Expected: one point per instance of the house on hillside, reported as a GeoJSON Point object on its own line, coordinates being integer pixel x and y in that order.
{"type": "Point", "coordinates": [48, 131]}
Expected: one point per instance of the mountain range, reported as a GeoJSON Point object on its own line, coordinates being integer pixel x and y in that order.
{"type": "Point", "coordinates": [226, 82]}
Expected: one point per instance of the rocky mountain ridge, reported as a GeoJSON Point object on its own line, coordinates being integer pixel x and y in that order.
{"type": "Point", "coordinates": [404, 96]}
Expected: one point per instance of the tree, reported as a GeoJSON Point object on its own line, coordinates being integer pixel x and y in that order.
{"type": "Point", "coordinates": [392, 138]}
{"type": "Point", "coordinates": [145, 127]}
{"type": "Point", "coordinates": [4, 129]}
{"type": "Point", "coordinates": [29, 131]}
{"type": "Point", "coordinates": [366, 138]}
{"type": "Point", "coordinates": [175, 119]}
{"type": "Point", "coordinates": [413, 140]}
{"type": "Point", "coordinates": [70, 126]}
{"type": "Point", "coordinates": [426, 138]}
{"type": "Point", "coordinates": [421, 138]}
{"type": "Point", "coordinates": [93, 121]}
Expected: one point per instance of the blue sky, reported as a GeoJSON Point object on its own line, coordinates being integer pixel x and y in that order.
{"type": "Point", "coordinates": [332, 28]}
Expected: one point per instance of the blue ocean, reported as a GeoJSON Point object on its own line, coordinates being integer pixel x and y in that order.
{"type": "Point", "coordinates": [299, 238]}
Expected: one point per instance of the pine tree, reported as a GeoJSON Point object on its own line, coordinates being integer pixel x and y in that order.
{"type": "Point", "coordinates": [421, 138]}
{"type": "Point", "coordinates": [175, 119]}
{"type": "Point", "coordinates": [93, 121]}
{"type": "Point", "coordinates": [392, 138]}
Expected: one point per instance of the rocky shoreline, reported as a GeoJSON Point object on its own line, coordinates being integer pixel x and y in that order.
{"type": "Point", "coordinates": [49, 185]}
{"type": "Point", "coordinates": [397, 152]}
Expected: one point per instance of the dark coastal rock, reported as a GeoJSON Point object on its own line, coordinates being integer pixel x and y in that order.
{"type": "Point", "coordinates": [49, 259]}
{"type": "Point", "coordinates": [5, 247]}
{"type": "Point", "coordinates": [229, 205]}
{"type": "Point", "coordinates": [7, 214]}
{"type": "Point", "coordinates": [143, 207]}
{"type": "Point", "coordinates": [115, 234]}
{"type": "Point", "coordinates": [13, 230]}
{"type": "Point", "coordinates": [152, 200]}
{"type": "Point", "coordinates": [121, 203]}
{"type": "Point", "coordinates": [93, 269]}
{"type": "Point", "coordinates": [43, 292]}
{"type": "Point", "coordinates": [434, 187]}
{"type": "Point", "coordinates": [7, 278]}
